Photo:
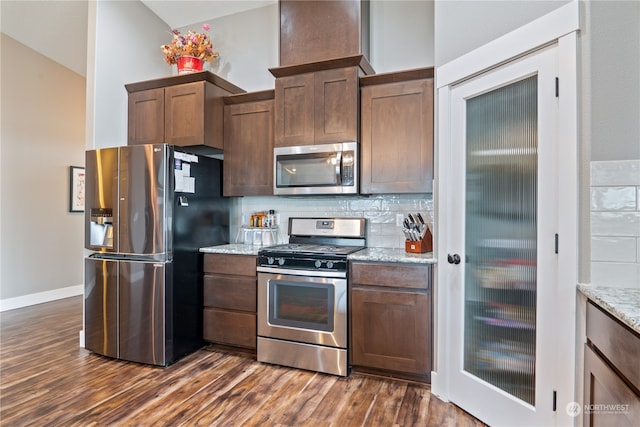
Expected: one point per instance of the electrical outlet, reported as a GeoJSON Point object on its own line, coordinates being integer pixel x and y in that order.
{"type": "Point", "coordinates": [399, 220]}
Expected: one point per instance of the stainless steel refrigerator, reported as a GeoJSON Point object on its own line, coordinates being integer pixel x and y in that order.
{"type": "Point", "coordinates": [149, 208]}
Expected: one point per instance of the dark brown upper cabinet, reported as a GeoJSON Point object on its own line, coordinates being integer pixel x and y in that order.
{"type": "Point", "coordinates": [248, 144]}
{"type": "Point", "coordinates": [396, 129]}
{"type": "Point", "coordinates": [312, 31]}
{"type": "Point", "coordinates": [185, 110]}
{"type": "Point", "coordinates": [318, 103]}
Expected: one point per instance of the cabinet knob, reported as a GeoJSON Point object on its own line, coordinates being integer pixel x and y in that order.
{"type": "Point", "coordinates": [453, 259]}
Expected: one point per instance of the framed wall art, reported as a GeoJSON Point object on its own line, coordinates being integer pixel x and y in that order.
{"type": "Point", "coordinates": [76, 189]}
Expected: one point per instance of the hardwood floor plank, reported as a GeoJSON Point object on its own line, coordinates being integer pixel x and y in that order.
{"type": "Point", "coordinates": [414, 408]}
{"type": "Point", "coordinates": [306, 402]}
{"type": "Point", "coordinates": [46, 379]}
{"type": "Point", "coordinates": [388, 399]}
{"type": "Point", "coordinates": [440, 413]}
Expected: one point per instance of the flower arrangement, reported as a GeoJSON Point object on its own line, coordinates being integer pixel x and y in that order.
{"type": "Point", "coordinates": [190, 44]}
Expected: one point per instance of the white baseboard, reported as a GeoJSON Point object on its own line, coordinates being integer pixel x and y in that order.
{"type": "Point", "coordinates": [40, 297]}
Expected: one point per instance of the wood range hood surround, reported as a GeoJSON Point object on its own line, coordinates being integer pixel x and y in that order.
{"type": "Point", "coordinates": [324, 47]}
{"type": "Point", "coordinates": [316, 31]}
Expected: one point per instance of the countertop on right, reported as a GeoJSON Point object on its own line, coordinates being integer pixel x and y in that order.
{"type": "Point", "coordinates": [622, 303]}
{"type": "Point", "coordinates": [391, 255]}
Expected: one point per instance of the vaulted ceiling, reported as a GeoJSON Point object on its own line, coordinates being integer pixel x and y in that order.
{"type": "Point", "coordinates": [57, 29]}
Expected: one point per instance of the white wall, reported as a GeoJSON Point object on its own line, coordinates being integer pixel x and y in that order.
{"type": "Point", "coordinates": [611, 38]}
{"type": "Point", "coordinates": [42, 113]}
{"type": "Point", "coordinates": [248, 46]}
{"type": "Point", "coordinates": [462, 26]}
{"type": "Point", "coordinates": [401, 35]}
{"type": "Point", "coordinates": [124, 47]}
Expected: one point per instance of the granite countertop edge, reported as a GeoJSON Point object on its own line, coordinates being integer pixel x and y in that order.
{"type": "Point", "coordinates": [367, 254]}
{"type": "Point", "coordinates": [391, 255]}
{"type": "Point", "coordinates": [232, 249]}
{"type": "Point", "coordinates": [621, 303]}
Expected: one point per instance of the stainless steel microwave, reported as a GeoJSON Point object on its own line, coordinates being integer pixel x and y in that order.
{"type": "Point", "coordinates": [316, 169]}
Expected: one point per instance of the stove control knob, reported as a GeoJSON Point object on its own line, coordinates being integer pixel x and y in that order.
{"type": "Point", "coordinates": [281, 261]}
{"type": "Point", "coordinates": [270, 260]}
{"type": "Point", "coordinates": [329, 264]}
{"type": "Point", "coordinates": [318, 264]}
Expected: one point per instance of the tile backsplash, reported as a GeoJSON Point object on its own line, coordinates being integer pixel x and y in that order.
{"type": "Point", "coordinates": [380, 211]}
{"type": "Point", "coordinates": [615, 223]}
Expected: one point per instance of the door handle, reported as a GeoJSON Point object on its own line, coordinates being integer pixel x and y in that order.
{"type": "Point", "coordinates": [453, 259]}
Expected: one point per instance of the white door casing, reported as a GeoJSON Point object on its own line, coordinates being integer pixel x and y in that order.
{"type": "Point", "coordinates": [467, 387]}
{"type": "Point", "coordinates": [555, 364]}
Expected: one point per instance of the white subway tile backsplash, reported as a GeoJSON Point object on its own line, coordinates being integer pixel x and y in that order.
{"type": "Point", "coordinates": [615, 173]}
{"type": "Point", "coordinates": [615, 224]}
{"type": "Point", "coordinates": [623, 275]}
{"type": "Point", "coordinates": [613, 198]}
{"type": "Point", "coordinates": [615, 249]}
{"type": "Point", "coordinates": [380, 212]}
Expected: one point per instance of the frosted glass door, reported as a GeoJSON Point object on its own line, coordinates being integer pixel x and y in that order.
{"type": "Point", "coordinates": [502, 267]}
{"type": "Point", "coordinates": [500, 243]}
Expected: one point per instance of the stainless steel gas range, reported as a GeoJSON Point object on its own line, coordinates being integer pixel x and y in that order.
{"type": "Point", "coordinates": [302, 294]}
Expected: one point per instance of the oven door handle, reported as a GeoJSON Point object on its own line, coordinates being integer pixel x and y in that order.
{"type": "Point", "coordinates": [305, 273]}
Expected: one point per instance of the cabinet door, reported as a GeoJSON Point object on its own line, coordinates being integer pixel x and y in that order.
{"type": "Point", "coordinates": [184, 114]}
{"type": "Point", "coordinates": [248, 149]}
{"type": "Point", "coordinates": [397, 137]}
{"type": "Point", "coordinates": [608, 401]}
{"type": "Point", "coordinates": [294, 114]}
{"type": "Point", "coordinates": [146, 117]}
{"type": "Point", "coordinates": [390, 330]}
{"type": "Point", "coordinates": [336, 105]}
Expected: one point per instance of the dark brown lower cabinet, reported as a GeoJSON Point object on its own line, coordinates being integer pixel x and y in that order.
{"type": "Point", "coordinates": [611, 372]}
{"type": "Point", "coordinates": [391, 320]}
{"type": "Point", "coordinates": [230, 300]}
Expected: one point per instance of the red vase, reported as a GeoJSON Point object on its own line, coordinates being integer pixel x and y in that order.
{"type": "Point", "coordinates": [189, 64]}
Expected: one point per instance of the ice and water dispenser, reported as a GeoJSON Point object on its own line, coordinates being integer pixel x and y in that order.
{"type": "Point", "coordinates": [101, 227]}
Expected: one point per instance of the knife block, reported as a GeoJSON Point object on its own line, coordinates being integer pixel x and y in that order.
{"type": "Point", "coordinates": [420, 246]}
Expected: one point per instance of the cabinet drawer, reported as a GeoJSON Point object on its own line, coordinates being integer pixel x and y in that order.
{"type": "Point", "coordinates": [391, 275]}
{"type": "Point", "coordinates": [230, 327]}
{"type": "Point", "coordinates": [230, 292]}
{"type": "Point", "coordinates": [619, 344]}
{"type": "Point", "coordinates": [241, 265]}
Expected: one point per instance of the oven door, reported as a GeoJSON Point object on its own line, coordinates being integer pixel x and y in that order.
{"type": "Point", "coordinates": [306, 309]}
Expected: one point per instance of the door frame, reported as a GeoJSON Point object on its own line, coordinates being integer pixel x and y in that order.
{"type": "Point", "coordinates": [559, 27]}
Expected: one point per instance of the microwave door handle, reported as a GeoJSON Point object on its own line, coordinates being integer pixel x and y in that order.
{"type": "Point", "coordinates": [339, 168]}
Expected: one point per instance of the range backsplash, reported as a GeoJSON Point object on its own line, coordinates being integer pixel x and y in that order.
{"type": "Point", "coordinates": [380, 211]}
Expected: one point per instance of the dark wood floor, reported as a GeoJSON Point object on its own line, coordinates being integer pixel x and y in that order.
{"type": "Point", "coordinates": [46, 379]}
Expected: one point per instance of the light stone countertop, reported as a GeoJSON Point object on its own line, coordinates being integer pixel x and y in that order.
{"type": "Point", "coordinates": [622, 303]}
{"type": "Point", "coordinates": [368, 254]}
{"type": "Point", "coordinates": [232, 249]}
{"type": "Point", "coordinates": [391, 255]}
